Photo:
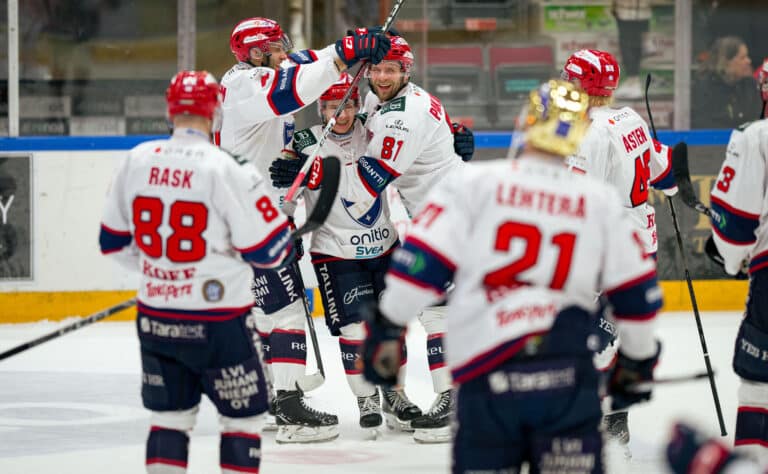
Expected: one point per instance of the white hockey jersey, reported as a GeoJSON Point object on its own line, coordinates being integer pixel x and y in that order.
{"type": "Point", "coordinates": [410, 139]}
{"type": "Point", "coordinates": [259, 103]}
{"type": "Point", "coordinates": [618, 149]}
{"type": "Point", "coordinates": [353, 230]}
{"type": "Point", "coordinates": [521, 240]}
{"type": "Point", "coordinates": [740, 200]}
{"type": "Point", "coordinates": [190, 219]}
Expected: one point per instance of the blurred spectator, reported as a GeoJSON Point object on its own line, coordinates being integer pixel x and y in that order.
{"type": "Point", "coordinates": [746, 19]}
{"type": "Point", "coordinates": [724, 95]}
{"type": "Point", "coordinates": [632, 19]}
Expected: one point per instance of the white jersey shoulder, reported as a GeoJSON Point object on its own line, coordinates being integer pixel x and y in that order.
{"type": "Point", "coordinates": [411, 135]}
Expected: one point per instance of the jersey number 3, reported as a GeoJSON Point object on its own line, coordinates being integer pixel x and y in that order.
{"type": "Point", "coordinates": [508, 276]}
{"type": "Point", "coordinates": [187, 220]}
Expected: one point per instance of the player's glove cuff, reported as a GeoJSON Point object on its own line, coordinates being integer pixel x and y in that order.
{"type": "Point", "coordinates": [710, 248]}
{"type": "Point", "coordinates": [632, 379]}
{"type": "Point", "coordinates": [463, 141]}
{"type": "Point", "coordinates": [381, 353]}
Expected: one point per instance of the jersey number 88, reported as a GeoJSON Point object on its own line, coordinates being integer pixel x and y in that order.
{"type": "Point", "coordinates": [188, 220]}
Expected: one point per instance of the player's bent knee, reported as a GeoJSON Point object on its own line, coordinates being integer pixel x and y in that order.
{"type": "Point", "coordinates": [181, 420]}
{"type": "Point", "coordinates": [354, 331]}
{"type": "Point", "coordinates": [433, 319]}
{"type": "Point", "coordinates": [249, 424]}
{"type": "Point", "coordinates": [289, 317]}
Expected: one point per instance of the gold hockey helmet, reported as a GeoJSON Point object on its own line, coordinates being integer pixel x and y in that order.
{"type": "Point", "coordinates": [557, 120]}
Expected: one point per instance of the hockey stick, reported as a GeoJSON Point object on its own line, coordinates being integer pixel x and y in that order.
{"type": "Point", "coordinates": [309, 382]}
{"type": "Point", "coordinates": [328, 190]}
{"type": "Point", "coordinates": [293, 192]}
{"type": "Point", "coordinates": [105, 313]}
{"type": "Point", "coordinates": [647, 386]}
{"type": "Point", "coordinates": [710, 373]}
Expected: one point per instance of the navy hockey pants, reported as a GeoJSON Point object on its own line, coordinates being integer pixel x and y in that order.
{"type": "Point", "coordinates": [544, 412]}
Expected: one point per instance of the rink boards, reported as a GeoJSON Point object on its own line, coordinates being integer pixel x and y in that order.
{"type": "Point", "coordinates": [52, 192]}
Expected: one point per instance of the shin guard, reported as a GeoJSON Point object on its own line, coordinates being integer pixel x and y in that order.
{"type": "Point", "coordinates": [167, 451]}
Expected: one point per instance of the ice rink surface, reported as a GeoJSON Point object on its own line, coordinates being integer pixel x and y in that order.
{"type": "Point", "coordinates": [72, 405]}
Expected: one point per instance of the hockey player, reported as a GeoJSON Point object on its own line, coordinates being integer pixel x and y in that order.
{"type": "Point", "coordinates": [261, 92]}
{"type": "Point", "coordinates": [740, 203]}
{"type": "Point", "coordinates": [193, 221]}
{"type": "Point", "coordinates": [618, 149]}
{"type": "Point", "coordinates": [410, 141]}
{"type": "Point", "coordinates": [351, 251]}
{"type": "Point", "coordinates": [527, 244]}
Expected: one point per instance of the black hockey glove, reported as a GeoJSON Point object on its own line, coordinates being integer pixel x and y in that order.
{"type": "Point", "coordinates": [688, 451]}
{"type": "Point", "coordinates": [463, 141]}
{"type": "Point", "coordinates": [363, 45]}
{"type": "Point", "coordinates": [382, 350]}
{"type": "Point", "coordinates": [710, 248]}
{"type": "Point", "coordinates": [632, 379]}
{"type": "Point", "coordinates": [284, 170]}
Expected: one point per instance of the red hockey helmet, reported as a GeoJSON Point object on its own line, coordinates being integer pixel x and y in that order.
{"type": "Point", "coordinates": [339, 88]}
{"type": "Point", "coordinates": [336, 92]}
{"type": "Point", "coordinates": [258, 33]}
{"type": "Point", "coordinates": [761, 76]}
{"type": "Point", "coordinates": [400, 51]}
{"type": "Point", "coordinates": [193, 93]}
{"type": "Point", "coordinates": [597, 71]}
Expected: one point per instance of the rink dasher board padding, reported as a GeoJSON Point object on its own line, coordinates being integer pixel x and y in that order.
{"type": "Point", "coordinates": [25, 307]}
{"type": "Point", "coordinates": [69, 277]}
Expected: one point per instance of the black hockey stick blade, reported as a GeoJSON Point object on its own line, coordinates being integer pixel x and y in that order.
{"type": "Point", "coordinates": [66, 329]}
{"type": "Point", "coordinates": [329, 187]}
{"type": "Point", "coordinates": [683, 178]}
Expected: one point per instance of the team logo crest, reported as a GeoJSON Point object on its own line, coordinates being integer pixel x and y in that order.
{"type": "Point", "coordinates": [213, 290]}
{"type": "Point", "coordinates": [365, 216]}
